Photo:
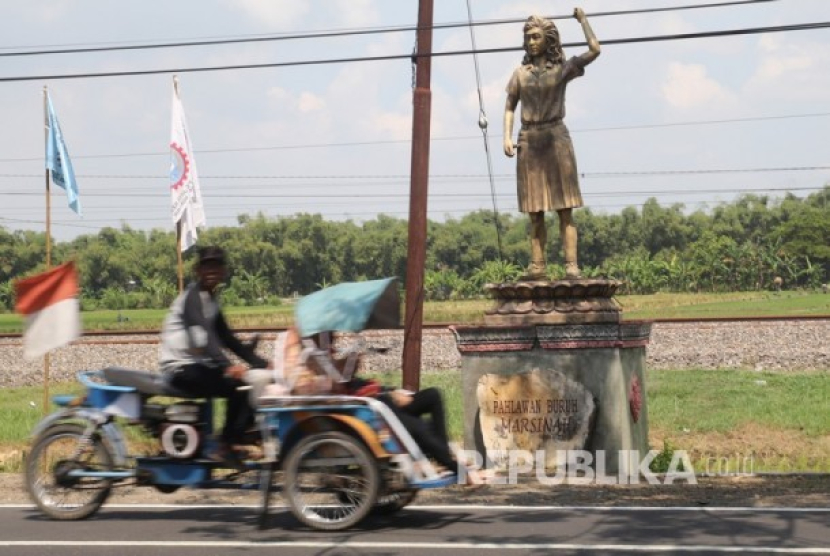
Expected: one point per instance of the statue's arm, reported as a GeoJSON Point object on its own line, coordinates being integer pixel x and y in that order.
{"type": "Point", "coordinates": [509, 111]}
{"type": "Point", "coordinates": [593, 44]}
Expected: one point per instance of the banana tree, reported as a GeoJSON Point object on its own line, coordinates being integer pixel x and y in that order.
{"type": "Point", "coordinates": [495, 272]}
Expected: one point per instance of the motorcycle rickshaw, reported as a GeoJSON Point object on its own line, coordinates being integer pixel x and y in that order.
{"type": "Point", "coordinates": [335, 458]}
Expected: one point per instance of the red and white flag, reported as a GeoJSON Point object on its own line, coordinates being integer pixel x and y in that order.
{"type": "Point", "coordinates": [49, 301]}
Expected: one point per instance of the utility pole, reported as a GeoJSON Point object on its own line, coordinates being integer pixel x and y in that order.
{"type": "Point", "coordinates": [419, 185]}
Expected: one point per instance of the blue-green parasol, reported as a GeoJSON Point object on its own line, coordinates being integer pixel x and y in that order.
{"type": "Point", "coordinates": [350, 307]}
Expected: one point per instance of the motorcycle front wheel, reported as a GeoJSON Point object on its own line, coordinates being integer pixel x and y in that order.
{"type": "Point", "coordinates": [57, 452]}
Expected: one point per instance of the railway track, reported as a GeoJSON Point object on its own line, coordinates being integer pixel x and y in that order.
{"type": "Point", "coordinates": [440, 326]}
{"type": "Point", "coordinates": [778, 344]}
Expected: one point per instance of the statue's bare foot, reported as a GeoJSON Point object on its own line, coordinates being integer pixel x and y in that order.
{"type": "Point", "coordinates": [572, 270]}
{"type": "Point", "coordinates": [536, 271]}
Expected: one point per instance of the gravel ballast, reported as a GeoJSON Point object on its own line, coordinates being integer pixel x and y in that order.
{"type": "Point", "coordinates": [767, 345]}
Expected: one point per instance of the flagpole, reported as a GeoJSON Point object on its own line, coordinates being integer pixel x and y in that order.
{"type": "Point", "coordinates": [46, 360]}
{"type": "Point", "coordinates": [48, 197]}
{"type": "Point", "coordinates": [180, 262]}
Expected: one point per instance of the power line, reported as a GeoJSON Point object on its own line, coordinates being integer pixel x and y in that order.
{"type": "Point", "coordinates": [451, 138]}
{"type": "Point", "coordinates": [105, 213]}
{"type": "Point", "coordinates": [410, 56]}
{"type": "Point", "coordinates": [405, 195]}
{"type": "Point", "coordinates": [472, 177]}
{"type": "Point", "coordinates": [353, 32]}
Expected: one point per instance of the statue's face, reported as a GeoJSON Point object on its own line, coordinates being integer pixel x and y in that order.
{"type": "Point", "coordinates": [535, 41]}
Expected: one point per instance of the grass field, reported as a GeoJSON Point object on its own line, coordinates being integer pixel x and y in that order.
{"type": "Point", "coordinates": [668, 305]}
{"type": "Point", "coordinates": [738, 304]}
{"type": "Point", "coordinates": [780, 421]}
{"type": "Point", "coordinates": [768, 421]}
{"type": "Point", "coordinates": [151, 319]}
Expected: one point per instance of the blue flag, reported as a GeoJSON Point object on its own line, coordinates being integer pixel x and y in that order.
{"type": "Point", "coordinates": [57, 159]}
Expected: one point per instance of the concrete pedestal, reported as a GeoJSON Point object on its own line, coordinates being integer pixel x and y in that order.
{"type": "Point", "coordinates": [607, 359]}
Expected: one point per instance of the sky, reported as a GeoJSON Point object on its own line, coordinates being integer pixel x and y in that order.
{"type": "Point", "coordinates": [696, 122]}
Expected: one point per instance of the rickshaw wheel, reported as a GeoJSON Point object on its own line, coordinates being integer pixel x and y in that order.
{"type": "Point", "coordinates": [54, 454]}
{"type": "Point", "coordinates": [167, 489]}
{"type": "Point", "coordinates": [331, 481]}
{"type": "Point", "coordinates": [393, 502]}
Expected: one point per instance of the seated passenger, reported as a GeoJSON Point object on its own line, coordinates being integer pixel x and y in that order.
{"type": "Point", "coordinates": [273, 381]}
{"type": "Point", "coordinates": [308, 374]}
{"type": "Point", "coordinates": [294, 371]}
{"type": "Point", "coordinates": [311, 368]}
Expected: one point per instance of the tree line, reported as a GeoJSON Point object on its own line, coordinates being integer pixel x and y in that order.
{"type": "Point", "coordinates": [753, 243]}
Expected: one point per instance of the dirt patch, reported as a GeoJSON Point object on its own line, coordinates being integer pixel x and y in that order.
{"type": "Point", "coordinates": [804, 491]}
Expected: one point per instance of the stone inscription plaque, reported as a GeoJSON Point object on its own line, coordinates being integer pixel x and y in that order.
{"type": "Point", "coordinates": [533, 411]}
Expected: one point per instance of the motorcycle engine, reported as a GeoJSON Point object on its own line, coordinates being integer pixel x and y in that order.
{"type": "Point", "coordinates": [179, 433]}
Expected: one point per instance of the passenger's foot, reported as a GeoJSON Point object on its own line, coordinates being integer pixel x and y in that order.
{"type": "Point", "coordinates": [474, 479]}
{"type": "Point", "coordinates": [478, 478]}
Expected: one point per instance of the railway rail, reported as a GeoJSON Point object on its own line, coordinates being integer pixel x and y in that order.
{"type": "Point", "coordinates": [779, 344]}
{"type": "Point", "coordinates": [438, 326]}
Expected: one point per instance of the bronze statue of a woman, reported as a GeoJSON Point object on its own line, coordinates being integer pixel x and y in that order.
{"type": "Point", "coordinates": [546, 172]}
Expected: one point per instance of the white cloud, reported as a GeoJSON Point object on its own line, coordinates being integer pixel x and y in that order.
{"type": "Point", "coordinates": [688, 86]}
{"type": "Point", "coordinates": [289, 102]}
{"type": "Point", "coordinates": [49, 11]}
{"type": "Point", "coordinates": [354, 13]}
{"type": "Point", "coordinates": [287, 13]}
{"type": "Point", "coordinates": [309, 102]}
{"type": "Point", "coordinates": [396, 125]}
{"type": "Point", "coordinates": [788, 70]}
{"type": "Point", "coordinates": [277, 13]}
{"type": "Point", "coordinates": [278, 94]}
{"type": "Point", "coordinates": [674, 24]}
{"type": "Point", "coordinates": [780, 59]}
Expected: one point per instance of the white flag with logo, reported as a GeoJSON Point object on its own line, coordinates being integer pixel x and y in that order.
{"type": "Point", "coordinates": [184, 179]}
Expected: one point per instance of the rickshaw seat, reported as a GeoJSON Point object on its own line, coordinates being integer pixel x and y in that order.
{"type": "Point", "coordinates": [145, 382]}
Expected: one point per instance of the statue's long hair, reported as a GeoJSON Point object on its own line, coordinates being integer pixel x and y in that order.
{"type": "Point", "coordinates": [554, 52]}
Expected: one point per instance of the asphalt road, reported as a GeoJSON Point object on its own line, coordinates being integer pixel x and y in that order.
{"type": "Point", "coordinates": [420, 531]}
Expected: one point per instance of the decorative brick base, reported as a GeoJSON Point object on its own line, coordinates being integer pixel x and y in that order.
{"type": "Point", "coordinates": [574, 301]}
{"type": "Point", "coordinates": [481, 339]}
